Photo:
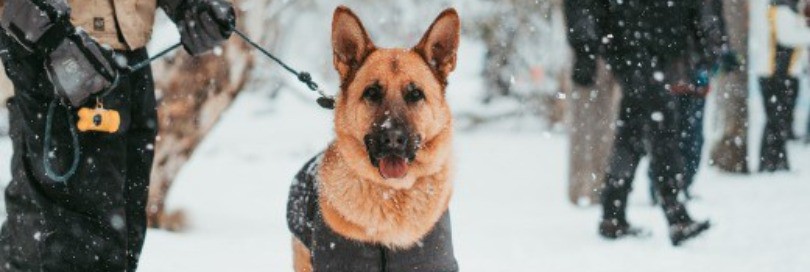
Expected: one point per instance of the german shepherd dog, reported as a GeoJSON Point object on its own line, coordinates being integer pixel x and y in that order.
{"type": "Point", "coordinates": [377, 198]}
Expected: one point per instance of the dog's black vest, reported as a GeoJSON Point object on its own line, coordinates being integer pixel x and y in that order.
{"type": "Point", "coordinates": [333, 252]}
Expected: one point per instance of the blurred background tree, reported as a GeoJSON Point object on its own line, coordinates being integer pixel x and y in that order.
{"type": "Point", "coordinates": [729, 152]}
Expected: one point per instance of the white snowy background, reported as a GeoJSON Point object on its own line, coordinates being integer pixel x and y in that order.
{"type": "Point", "coordinates": [509, 210]}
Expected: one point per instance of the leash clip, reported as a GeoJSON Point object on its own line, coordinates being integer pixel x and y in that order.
{"type": "Point", "coordinates": [325, 101]}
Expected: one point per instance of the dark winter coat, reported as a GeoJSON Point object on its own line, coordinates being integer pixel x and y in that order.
{"type": "Point", "coordinates": [643, 30]}
{"type": "Point", "coordinates": [332, 252]}
{"type": "Point", "coordinates": [95, 220]}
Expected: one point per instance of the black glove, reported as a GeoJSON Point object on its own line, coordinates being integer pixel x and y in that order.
{"type": "Point", "coordinates": [78, 67]}
{"type": "Point", "coordinates": [37, 26]}
{"type": "Point", "coordinates": [203, 24]}
{"type": "Point", "coordinates": [584, 72]}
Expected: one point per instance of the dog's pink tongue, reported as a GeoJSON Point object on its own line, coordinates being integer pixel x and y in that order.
{"type": "Point", "coordinates": [393, 167]}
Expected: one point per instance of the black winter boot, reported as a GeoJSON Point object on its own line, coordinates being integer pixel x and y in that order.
{"type": "Point", "coordinates": [614, 202]}
{"type": "Point", "coordinates": [614, 229]}
{"type": "Point", "coordinates": [681, 225]}
{"type": "Point", "coordinates": [684, 231]}
{"type": "Point", "coordinates": [773, 154]}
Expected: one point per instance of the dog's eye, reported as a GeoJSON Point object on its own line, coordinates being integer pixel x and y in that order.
{"type": "Point", "coordinates": [413, 94]}
{"type": "Point", "coordinates": [373, 93]}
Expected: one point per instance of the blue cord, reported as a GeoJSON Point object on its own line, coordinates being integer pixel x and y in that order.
{"type": "Point", "coordinates": [46, 146]}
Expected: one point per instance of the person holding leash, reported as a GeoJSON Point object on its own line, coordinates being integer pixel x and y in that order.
{"type": "Point", "coordinates": [78, 193]}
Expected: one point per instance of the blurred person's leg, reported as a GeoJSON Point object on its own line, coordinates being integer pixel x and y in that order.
{"type": "Point", "coordinates": [667, 162]}
{"type": "Point", "coordinates": [623, 161]}
{"type": "Point", "coordinates": [666, 159]}
{"type": "Point", "coordinates": [691, 144]}
{"type": "Point", "coordinates": [775, 97]}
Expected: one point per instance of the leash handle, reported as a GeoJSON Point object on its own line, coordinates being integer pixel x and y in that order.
{"type": "Point", "coordinates": [46, 146]}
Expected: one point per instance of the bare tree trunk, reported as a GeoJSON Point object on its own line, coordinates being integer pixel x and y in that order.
{"type": "Point", "coordinates": [193, 93]}
{"type": "Point", "coordinates": [730, 152]}
{"type": "Point", "coordinates": [592, 113]}
{"type": "Point", "coordinates": [558, 107]}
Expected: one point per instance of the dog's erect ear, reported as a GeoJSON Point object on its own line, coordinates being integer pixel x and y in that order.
{"type": "Point", "coordinates": [350, 42]}
{"type": "Point", "coordinates": [440, 43]}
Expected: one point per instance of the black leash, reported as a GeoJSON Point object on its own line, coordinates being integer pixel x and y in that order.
{"type": "Point", "coordinates": [325, 101]}
{"type": "Point", "coordinates": [144, 63]}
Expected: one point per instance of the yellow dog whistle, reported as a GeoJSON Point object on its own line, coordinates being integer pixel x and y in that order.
{"type": "Point", "coordinates": [99, 120]}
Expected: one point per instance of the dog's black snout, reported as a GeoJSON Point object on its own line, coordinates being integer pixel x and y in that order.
{"type": "Point", "coordinates": [394, 139]}
{"type": "Point", "coordinates": [391, 136]}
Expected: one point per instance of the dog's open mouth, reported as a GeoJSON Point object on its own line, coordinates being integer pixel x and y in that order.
{"type": "Point", "coordinates": [393, 167]}
{"type": "Point", "coordinates": [391, 148]}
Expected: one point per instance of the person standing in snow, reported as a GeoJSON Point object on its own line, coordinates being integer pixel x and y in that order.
{"type": "Point", "coordinates": [657, 50]}
{"type": "Point", "coordinates": [77, 201]}
{"type": "Point", "coordinates": [692, 101]}
{"type": "Point", "coordinates": [786, 58]}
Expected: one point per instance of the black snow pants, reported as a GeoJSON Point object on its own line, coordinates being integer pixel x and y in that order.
{"type": "Point", "coordinates": [648, 114]}
{"type": "Point", "coordinates": [94, 221]}
{"type": "Point", "coordinates": [779, 95]}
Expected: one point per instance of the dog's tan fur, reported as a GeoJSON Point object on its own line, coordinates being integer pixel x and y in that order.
{"type": "Point", "coordinates": [355, 200]}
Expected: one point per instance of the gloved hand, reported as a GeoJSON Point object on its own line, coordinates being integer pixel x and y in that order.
{"type": "Point", "coordinates": [76, 65]}
{"type": "Point", "coordinates": [79, 67]}
{"type": "Point", "coordinates": [203, 24]}
{"type": "Point", "coordinates": [584, 72]}
{"type": "Point", "coordinates": [37, 26]}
